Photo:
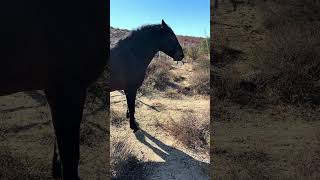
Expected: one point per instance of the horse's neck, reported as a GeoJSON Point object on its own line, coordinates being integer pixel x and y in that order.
{"type": "Point", "coordinates": [145, 50]}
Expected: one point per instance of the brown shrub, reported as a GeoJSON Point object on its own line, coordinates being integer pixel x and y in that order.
{"type": "Point", "coordinates": [158, 76]}
{"type": "Point", "coordinates": [192, 131]}
{"type": "Point", "coordinates": [200, 82]}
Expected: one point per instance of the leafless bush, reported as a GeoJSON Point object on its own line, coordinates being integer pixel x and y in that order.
{"type": "Point", "coordinates": [158, 76]}
{"type": "Point", "coordinates": [192, 131]}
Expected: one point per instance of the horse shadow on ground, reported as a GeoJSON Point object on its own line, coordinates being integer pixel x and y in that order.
{"type": "Point", "coordinates": [176, 165]}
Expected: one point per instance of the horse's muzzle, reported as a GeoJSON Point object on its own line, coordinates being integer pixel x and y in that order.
{"type": "Point", "coordinates": [178, 56]}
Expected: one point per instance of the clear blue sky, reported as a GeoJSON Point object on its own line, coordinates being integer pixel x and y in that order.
{"type": "Point", "coordinates": [185, 17]}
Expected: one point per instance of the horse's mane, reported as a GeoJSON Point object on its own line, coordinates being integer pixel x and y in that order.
{"type": "Point", "coordinates": [138, 35]}
{"type": "Point", "coordinates": [141, 31]}
{"type": "Point", "coordinates": [145, 28]}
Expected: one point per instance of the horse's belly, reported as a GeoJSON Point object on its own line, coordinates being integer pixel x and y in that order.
{"type": "Point", "coordinates": [22, 78]}
{"type": "Point", "coordinates": [23, 58]}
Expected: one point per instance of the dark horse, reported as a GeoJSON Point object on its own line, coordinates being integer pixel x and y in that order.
{"type": "Point", "coordinates": [59, 47]}
{"type": "Point", "coordinates": [130, 58]}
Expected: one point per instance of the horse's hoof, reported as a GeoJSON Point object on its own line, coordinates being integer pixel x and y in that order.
{"type": "Point", "coordinates": [135, 130]}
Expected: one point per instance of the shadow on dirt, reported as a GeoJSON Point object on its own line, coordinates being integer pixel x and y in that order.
{"type": "Point", "coordinates": [177, 163]}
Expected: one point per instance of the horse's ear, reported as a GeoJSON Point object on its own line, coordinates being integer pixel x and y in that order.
{"type": "Point", "coordinates": [163, 24]}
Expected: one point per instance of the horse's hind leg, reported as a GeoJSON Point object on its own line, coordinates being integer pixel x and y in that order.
{"type": "Point", "coordinates": [66, 105]}
{"type": "Point", "coordinates": [131, 98]}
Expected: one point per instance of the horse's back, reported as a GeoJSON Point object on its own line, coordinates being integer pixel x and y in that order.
{"type": "Point", "coordinates": [49, 41]}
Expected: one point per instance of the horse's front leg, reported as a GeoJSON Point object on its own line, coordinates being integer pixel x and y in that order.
{"type": "Point", "coordinates": [66, 103]}
{"type": "Point", "coordinates": [131, 98]}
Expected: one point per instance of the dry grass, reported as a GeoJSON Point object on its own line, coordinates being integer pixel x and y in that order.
{"type": "Point", "coordinates": [118, 119]}
{"type": "Point", "coordinates": [90, 135]}
{"type": "Point", "coordinates": [191, 130]}
{"type": "Point", "coordinates": [193, 52]}
{"type": "Point", "coordinates": [306, 164]}
{"type": "Point", "coordinates": [19, 166]}
{"type": "Point", "coordinates": [200, 80]}
{"type": "Point", "coordinates": [253, 164]}
{"type": "Point", "coordinates": [124, 164]}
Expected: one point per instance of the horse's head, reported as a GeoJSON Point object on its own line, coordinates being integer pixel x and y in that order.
{"type": "Point", "coordinates": [169, 43]}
